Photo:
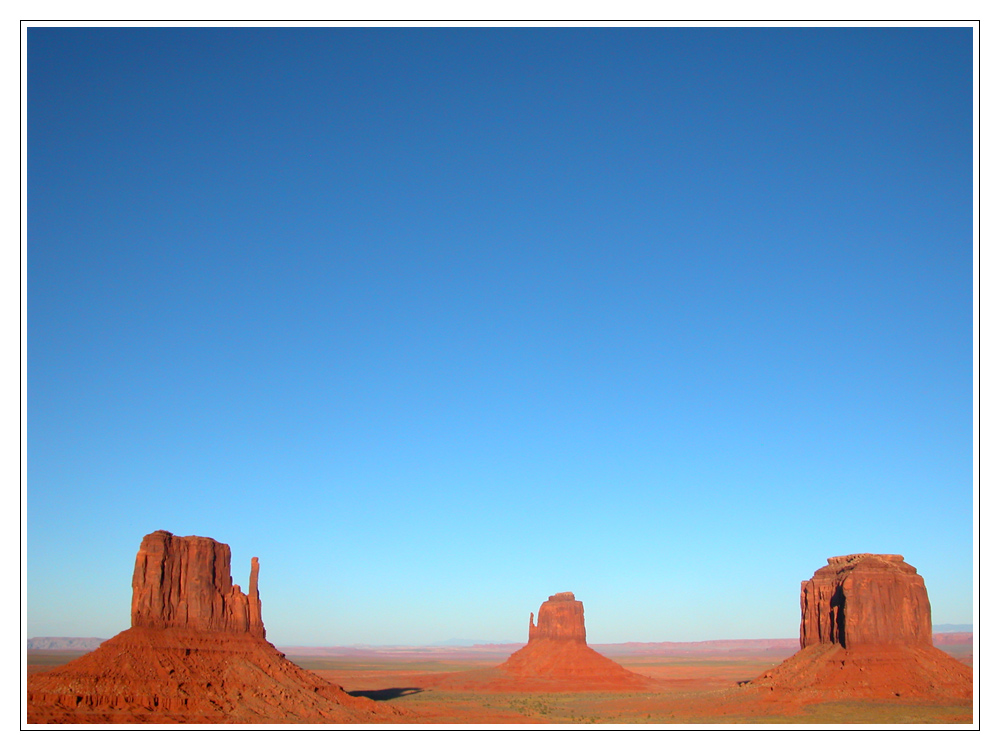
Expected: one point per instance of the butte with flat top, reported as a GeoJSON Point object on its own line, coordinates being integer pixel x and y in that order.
{"type": "Point", "coordinates": [866, 633]}
{"type": "Point", "coordinates": [556, 658]}
{"type": "Point", "coordinates": [196, 652]}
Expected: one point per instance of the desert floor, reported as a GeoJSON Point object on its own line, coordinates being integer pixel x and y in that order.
{"type": "Point", "coordinates": [695, 688]}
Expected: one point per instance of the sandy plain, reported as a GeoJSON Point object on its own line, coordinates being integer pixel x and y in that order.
{"type": "Point", "coordinates": [697, 683]}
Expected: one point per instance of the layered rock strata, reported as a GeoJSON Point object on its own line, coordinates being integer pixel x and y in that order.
{"type": "Point", "coordinates": [195, 653]}
{"type": "Point", "coordinates": [179, 675]}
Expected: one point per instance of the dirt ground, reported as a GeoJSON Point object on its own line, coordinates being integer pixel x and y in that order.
{"type": "Point", "coordinates": [697, 688]}
{"type": "Point", "coordinates": [691, 689]}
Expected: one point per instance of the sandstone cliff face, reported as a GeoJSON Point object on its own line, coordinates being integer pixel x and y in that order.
{"type": "Point", "coordinates": [865, 599]}
{"type": "Point", "coordinates": [559, 618]}
{"type": "Point", "coordinates": [185, 582]}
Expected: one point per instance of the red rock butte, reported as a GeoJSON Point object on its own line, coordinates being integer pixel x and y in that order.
{"type": "Point", "coordinates": [559, 618]}
{"type": "Point", "coordinates": [557, 658]}
{"type": "Point", "coordinates": [184, 582]}
{"type": "Point", "coordinates": [866, 632]}
{"type": "Point", "coordinates": [865, 599]}
{"type": "Point", "coordinates": [195, 653]}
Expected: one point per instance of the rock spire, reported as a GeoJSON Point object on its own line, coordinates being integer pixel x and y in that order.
{"type": "Point", "coordinates": [196, 652]}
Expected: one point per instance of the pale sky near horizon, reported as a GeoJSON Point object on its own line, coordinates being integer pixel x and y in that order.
{"type": "Point", "coordinates": [439, 322]}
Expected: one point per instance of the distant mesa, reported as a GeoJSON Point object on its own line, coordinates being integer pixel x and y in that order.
{"type": "Point", "coordinates": [953, 628]}
{"type": "Point", "coordinates": [557, 657]}
{"type": "Point", "coordinates": [866, 632]}
{"type": "Point", "coordinates": [195, 653]}
{"type": "Point", "coordinates": [65, 643]}
{"type": "Point", "coordinates": [559, 618]}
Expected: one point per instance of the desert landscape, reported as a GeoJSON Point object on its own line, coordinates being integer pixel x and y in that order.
{"type": "Point", "coordinates": [197, 653]}
{"type": "Point", "coordinates": [555, 374]}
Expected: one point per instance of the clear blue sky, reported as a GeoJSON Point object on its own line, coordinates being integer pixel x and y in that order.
{"type": "Point", "coordinates": [438, 323]}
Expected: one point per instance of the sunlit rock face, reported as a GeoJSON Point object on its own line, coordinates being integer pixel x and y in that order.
{"type": "Point", "coordinates": [557, 658]}
{"type": "Point", "coordinates": [865, 634]}
{"type": "Point", "coordinates": [865, 599]}
{"type": "Point", "coordinates": [185, 582]}
{"type": "Point", "coordinates": [560, 618]}
{"type": "Point", "coordinates": [196, 652]}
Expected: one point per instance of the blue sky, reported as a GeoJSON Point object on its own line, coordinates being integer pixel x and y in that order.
{"type": "Point", "coordinates": [439, 322]}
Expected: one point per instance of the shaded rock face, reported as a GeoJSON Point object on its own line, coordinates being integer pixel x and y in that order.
{"type": "Point", "coordinates": [865, 599]}
{"type": "Point", "coordinates": [185, 582]}
{"type": "Point", "coordinates": [560, 618]}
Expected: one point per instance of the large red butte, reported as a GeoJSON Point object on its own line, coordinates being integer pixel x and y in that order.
{"type": "Point", "coordinates": [866, 633]}
{"type": "Point", "coordinates": [561, 618]}
{"type": "Point", "coordinates": [557, 658]}
{"type": "Point", "coordinates": [865, 599]}
{"type": "Point", "coordinates": [195, 653]}
{"type": "Point", "coordinates": [184, 582]}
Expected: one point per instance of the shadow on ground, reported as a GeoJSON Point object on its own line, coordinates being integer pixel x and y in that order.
{"type": "Point", "coordinates": [385, 694]}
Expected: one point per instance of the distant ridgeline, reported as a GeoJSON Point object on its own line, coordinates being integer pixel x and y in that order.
{"type": "Point", "coordinates": [68, 643]}
{"type": "Point", "coordinates": [89, 643]}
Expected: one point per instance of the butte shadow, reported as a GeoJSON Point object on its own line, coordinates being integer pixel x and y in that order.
{"type": "Point", "coordinates": [196, 653]}
{"type": "Point", "coordinates": [866, 634]}
{"type": "Point", "coordinates": [555, 659]}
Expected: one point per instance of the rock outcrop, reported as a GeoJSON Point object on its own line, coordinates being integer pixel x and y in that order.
{"type": "Point", "coordinates": [865, 632]}
{"type": "Point", "coordinates": [559, 618]}
{"type": "Point", "coordinates": [184, 582]}
{"type": "Point", "coordinates": [195, 653]}
{"type": "Point", "coordinates": [179, 675]}
{"type": "Point", "coordinates": [865, 599]}
{"type": "Point", "coordinates": [557, 658]}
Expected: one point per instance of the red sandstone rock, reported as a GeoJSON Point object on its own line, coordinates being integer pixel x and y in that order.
{"type": "Point", "coordinates": [195, 653]}
{"type": "Point", "coordinates": [865, 599]}
{"type": "Point", "coordinates": [178, 675]}
{"type": "Point", "coordinates": [561, 618]}
{"type": "Point", "coordinates": [184, 582]}
{"type": "Point", "coordinates": [866, 633]}
{"type": "Point", "coordinates": [557, 657]}
{"type": "Point", "coordinates": [826, 672]}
